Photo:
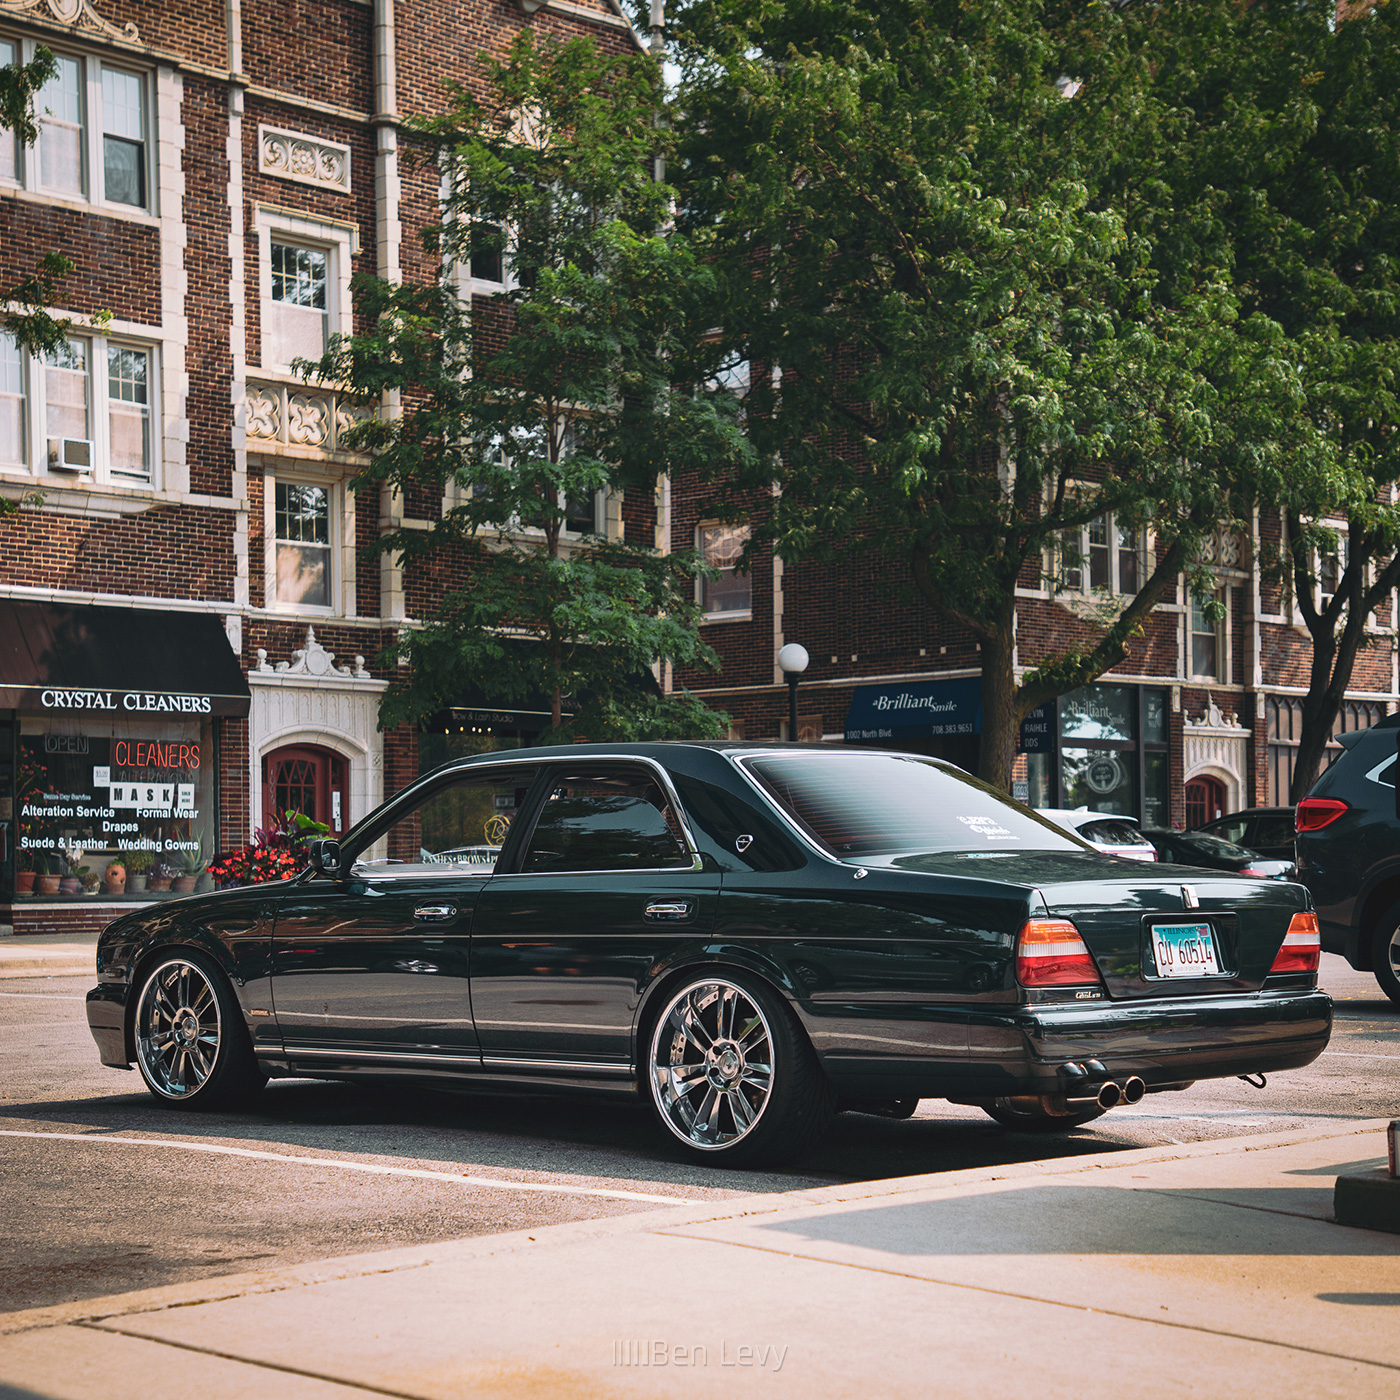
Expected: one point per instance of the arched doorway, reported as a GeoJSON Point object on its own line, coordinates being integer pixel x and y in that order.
{"type": "Point", "coordinates": [309, 779]}
{"type": "Point", "coordinates": [1205, 800]}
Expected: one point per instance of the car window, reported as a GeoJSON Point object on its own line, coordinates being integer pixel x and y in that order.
{"type": "Point", "coordinates": [1230, 829]}
{"type": "Point", "coordinates": [1279, 830]}
{"type": "Point", "coordinates": [883, 804]}
{"type": "Point", "coordinates": [606, 819]}
{"type": "Point", "coordinates": [459, 826]}
{"type": "Point", "coordinates": [1114, 833]}
{"type": "Point", "coordinates": [1209, 844]}
{"type": "Point", "coordinates": [1384, 772]}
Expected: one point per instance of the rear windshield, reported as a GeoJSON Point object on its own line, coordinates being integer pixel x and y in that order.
{"type": "Point", "coordinates": [858, 804]}
{"type": "Point", "coordinates": [1113, 833]}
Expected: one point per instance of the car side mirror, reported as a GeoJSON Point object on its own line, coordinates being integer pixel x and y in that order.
{"type": "Point", "coordinates": [325, 858]}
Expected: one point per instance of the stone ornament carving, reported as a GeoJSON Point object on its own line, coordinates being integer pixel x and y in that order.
{"type": "Point", "coordinates": [306, 159]}
{"type": "Point", "coordinates": [264, 414]}
{"type": "Point", "coordinates": [312, 660]}
{"type": "Point", "coordinates": [1212, 718]}
{"type": "Point", "coordinates": [277, 413]}
{"type": "Point", "coordinates": [309, 420]}
{"type": "Point", "coordinates": [79, 13]}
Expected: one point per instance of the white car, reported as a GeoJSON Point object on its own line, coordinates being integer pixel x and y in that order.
{"type": "Point", "coordinates": [1104, 831]}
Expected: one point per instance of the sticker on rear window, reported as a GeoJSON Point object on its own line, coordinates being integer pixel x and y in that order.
{"type": "Point", "coordinates": [989, 827]}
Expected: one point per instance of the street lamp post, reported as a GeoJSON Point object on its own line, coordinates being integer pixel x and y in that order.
{"type": "Point", "coordinates": [792, 659]}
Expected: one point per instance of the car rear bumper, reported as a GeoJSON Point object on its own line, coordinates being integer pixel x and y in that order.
{"type": "Point", "coordinates": [1025, 1049]}
{"type": "Point", "coordinates": [1163, 1042]}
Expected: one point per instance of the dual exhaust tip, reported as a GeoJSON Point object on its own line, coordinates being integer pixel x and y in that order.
{"type": "Point", "coordinates": [1111, 1093]}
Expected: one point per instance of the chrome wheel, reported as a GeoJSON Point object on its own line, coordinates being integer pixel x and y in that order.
{"type": "Point", "coordinates": [178, 1029]}
{"type": "Point", "coordinates": [711, 1064]}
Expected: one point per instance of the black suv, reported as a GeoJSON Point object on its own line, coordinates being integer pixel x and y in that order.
{"type": "Point", "coordinates": [1349, 853]}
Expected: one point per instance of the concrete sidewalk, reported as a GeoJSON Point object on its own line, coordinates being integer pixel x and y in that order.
{"type": "Point", "coordinates": [48, 955]}
{"type": "Point", "coordinates": [1213, 1269]}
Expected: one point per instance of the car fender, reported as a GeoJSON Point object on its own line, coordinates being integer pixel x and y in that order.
{"type": "Point", "coordinates": [1379, 890]}
{"type": "Point", "coordinates": [669, 972]}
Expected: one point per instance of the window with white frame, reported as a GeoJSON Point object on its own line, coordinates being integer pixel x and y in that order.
{"type": "Point", "coordinates": [731, 593]}
{"type": "Point", "coordinates": [9, 142]}
{"type": "Point", "coordinates": [85, 409]}
{"type": "Point", "coordinates": [299, 323]}
{"type": "Point", "coordinates": [1331, 565]}
{"type": "Point", "coordinates": [12, 418]}
{"type": "Point", "coordinates": [1100, 556]}
{"type": "Point", "coordinates": [579, 509]}
{"type": "Point", "coordinates": [94, 132]}
{"type": "Point", "coordinates": [304, 278]}
{"type": "Point", "coordinates": [1207, 641]}
{"type": "Point", "coordinates": [302, 545]}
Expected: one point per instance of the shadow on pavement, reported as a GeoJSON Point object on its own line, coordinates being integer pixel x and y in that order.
{"type": "Point", "coordinates": [1091, 1220]}
{"type": "Point", "coordinates": [609, 1138]}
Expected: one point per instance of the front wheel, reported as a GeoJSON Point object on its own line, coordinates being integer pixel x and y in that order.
{"type": "Point", "coordinates": [1036, 1120]}
{"type": "Point", "coordinates": [192, 1046]}
{"type": "Point", "coordinates": [1385, 953]}
{"type": "Point", "coordinates": [731, 1076]}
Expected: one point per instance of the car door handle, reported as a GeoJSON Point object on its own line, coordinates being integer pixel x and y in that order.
{"type": "Point", "coordinates": [435, 913]}
{"type": "Point", "coordinates": [668, 910]}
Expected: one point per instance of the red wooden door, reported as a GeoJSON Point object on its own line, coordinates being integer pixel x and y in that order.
{"type": "Point", "coordinates": [308, 779]}
{"type": "Point", "coordinates": [1205, 800]}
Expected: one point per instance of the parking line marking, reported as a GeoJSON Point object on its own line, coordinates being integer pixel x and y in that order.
{"type": "Point", "coordinates": [1359, 1055]}
{"type": "Point", "coordinates": [368, 1168]}
{"type": "Point", "coordinates": [44, 996]}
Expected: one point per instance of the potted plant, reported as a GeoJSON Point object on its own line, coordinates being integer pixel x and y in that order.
{"type": "Point", "coordinates": [25, 874]}
{"type": "Point", "coordinates": [161, 875]}
{"type": "Point", "coordinates": [114, 877]}
{"type": "Point", "coordinates": [138, 865]}
{"type": "Point", "coordinates": [72, 880]}
{"type": "Point", "coordinates": [191, 868]}
{"type": "Point", "coordinates": [50, 877]}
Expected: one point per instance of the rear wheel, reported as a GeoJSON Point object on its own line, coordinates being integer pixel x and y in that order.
{"type": "Point", "coordinates": [192, 1047]}
{"type": "Point", "coordinates": [731, 1076]}
{"type": "Point", "coordinates": [1036, 1120]}
{"type": "Point", "coordinates": [1385, 953]}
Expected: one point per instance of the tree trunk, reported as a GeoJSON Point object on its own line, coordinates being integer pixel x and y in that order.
{"type": "Point", "coordinates": [1000, 721]}
{"type": "Point", "coordinates": [1320, 708]}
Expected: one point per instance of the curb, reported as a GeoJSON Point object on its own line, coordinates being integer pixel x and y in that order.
{"type": "Point", "coordinates": [276, 1280]}
{"type": "Point", "coordinates": [1369, 1200]}
{"type": "Point", "coordinates": [66, 960]}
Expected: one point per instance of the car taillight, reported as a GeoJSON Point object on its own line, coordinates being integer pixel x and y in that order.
{"type": "Point", "coordinates": [1302, 945]}
{"type": "Point", "coordinates": [1316, 812]}
{"type": "Point", "coordinates": [1051, 953]}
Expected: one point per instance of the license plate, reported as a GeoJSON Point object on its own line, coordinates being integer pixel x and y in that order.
{"type": "Point", "coordinates": [1184, 950]}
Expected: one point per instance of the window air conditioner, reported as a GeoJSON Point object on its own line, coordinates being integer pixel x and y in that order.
{"type": "Point", "coordinates": [70, 455]}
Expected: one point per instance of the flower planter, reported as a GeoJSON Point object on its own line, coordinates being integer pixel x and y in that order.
{"type": "Point", "coordinates": [116, 882]}
{"type": "Point", "coordinates": [69, 884]}
{"type": "Point", "coordinates": [24, 881]}
{"type": "Point", "coordinates": [184, 884]}
{"type": "Point", "coordinates": [138, 881]}
{"type": "Point", "coordinates": [46, 884]}
{"type": "Point", "coordinates": [159, 882]}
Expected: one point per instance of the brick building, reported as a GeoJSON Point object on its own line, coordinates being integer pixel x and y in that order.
{"type": "Point", "coordinates": [1202, 718]}
{"type": "Point", "coordinates": [187, 625]}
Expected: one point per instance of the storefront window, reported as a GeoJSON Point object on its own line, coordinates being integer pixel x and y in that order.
{"type": "Point", "coordinates": [1113, 754]}
{"type": "Point", "coordinates": [114, 807]}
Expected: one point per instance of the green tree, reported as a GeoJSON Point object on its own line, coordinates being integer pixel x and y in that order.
{"type": "Point", "coordinates": [525, 402]}
{"type": "Point", "coordinates": [1299, 121]}
{"type": "Point", "coordinates": [947, 226]}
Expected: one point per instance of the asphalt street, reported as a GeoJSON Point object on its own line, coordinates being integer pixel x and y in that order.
{"type": "Point", "coordinates": [106, 1191]}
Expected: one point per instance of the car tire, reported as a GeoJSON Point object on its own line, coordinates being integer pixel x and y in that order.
{"type": "Point", "coordinates": [730, 1075]}
{"type": "Point", "coordinates": [1037, 1120]}
{"type": "Point", "coordinates": [1385, 953]}
{"type": "Point", "coordinates": [192, 1044]}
